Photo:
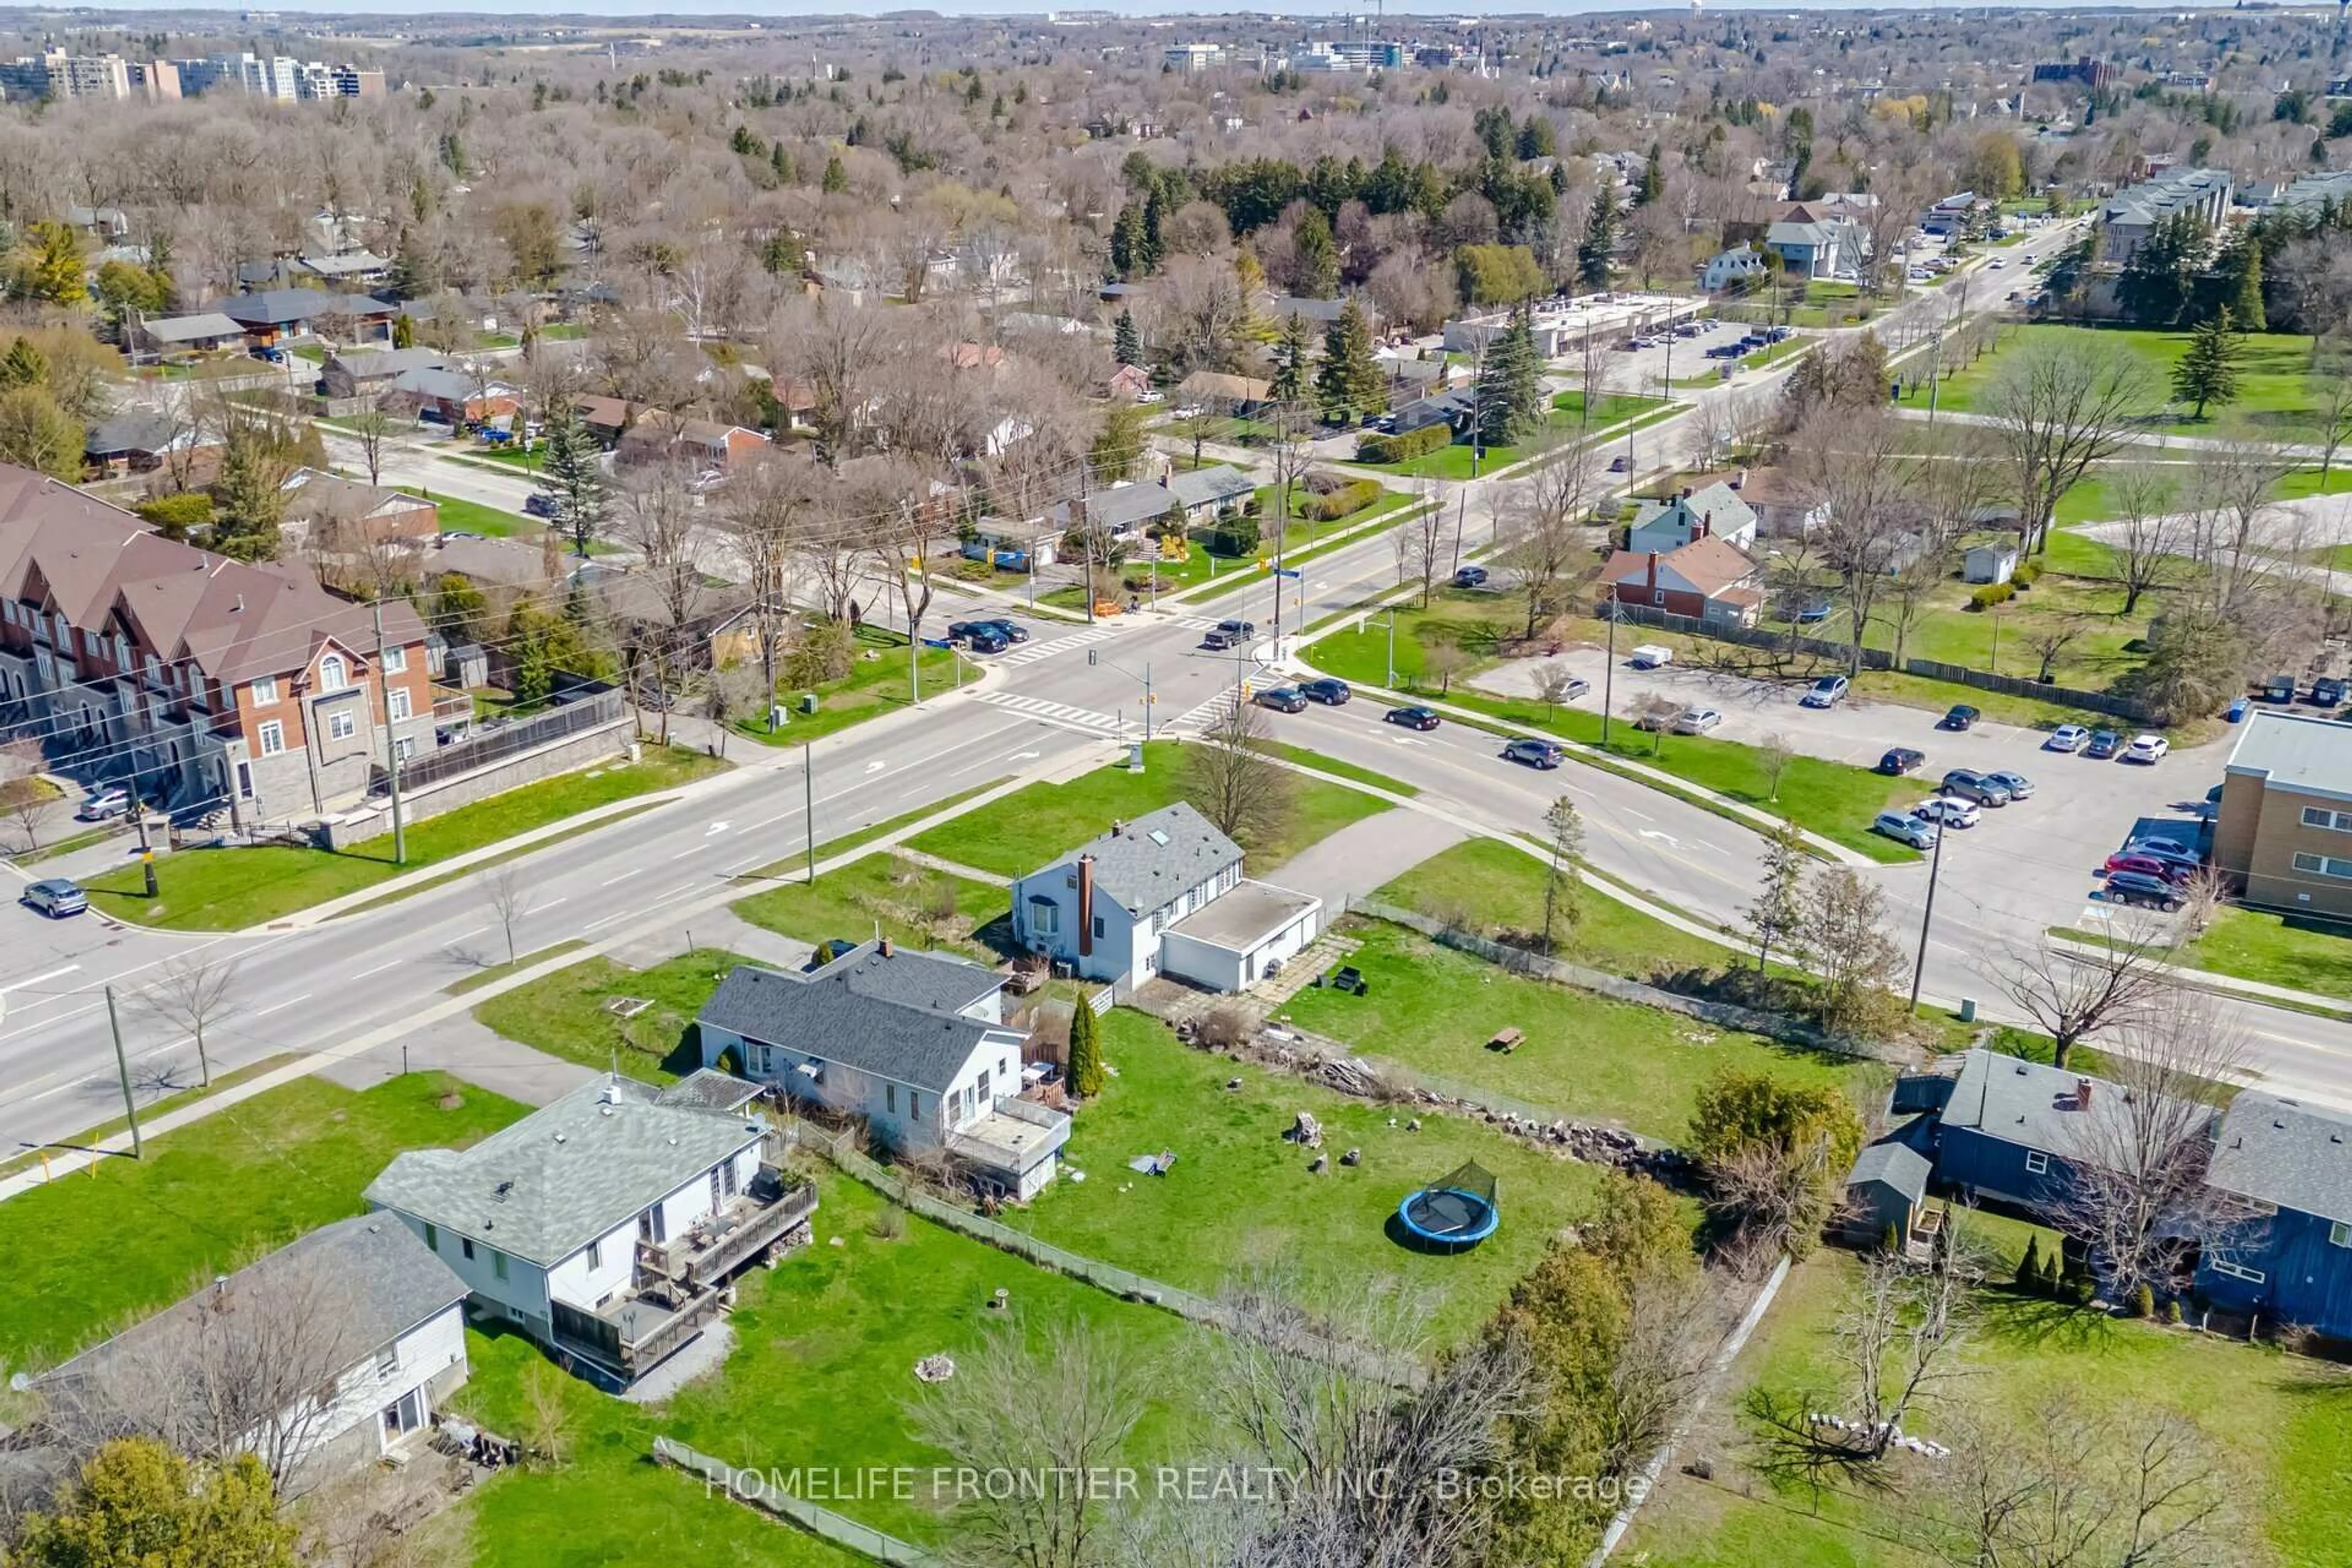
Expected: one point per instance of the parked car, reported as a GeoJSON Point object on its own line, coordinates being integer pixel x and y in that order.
{"type": "Point", "coordinates": [104, 805]}
{"type": "Point", "coordinates": [2157, 844]}
{"type": "Point", "coordinates": [1282, 699]}
{"type": "Point", "coordinates": [960, 631]}
{"type": "Point", "coordinates": [1826, 692]}
{"type": "Point", "coordinates": [1470, 577]}
{"type": "Point", "coordinates": [2018, 786]}
{"type": "Point", "coordinates": [2143, 891]}
{"type": "Point", "coordinates": [2067, 738]}
{"type": "Point", "coordinates": [1243, 630]}
{"type": "Point", "coordinates": [1576, 687]}
{"type": "Point", "coordinates": [1905, 828]}
{"type": "Point", "coordinates": [1947, 811]}
{"type": "Point", "coordinates": [56, 898]}
{"type": "Point", "coordinates": [1697, 721]}
{"type": "Point", "coordinates": [1413, 718]}
{"type": "Point", "coordinates": [1651, 656]}
{"type": "Point", "coordinates": [2162, 866]}
{"type": "Point", "coordinates": [2103, 743]}
{"type": "Point", "coordinates": [987, 639]}
{"type": "Point", "coordinates": [1011, 631]}
{"type": "Point", "coordinates": [1901, 760]}
{"type": "Point", "coordinates": [1969, 784]}
{"type": "Point", "coordinates": [1535, 752]}
{"type": "Point", "coordinates": [2147, 749]}
{"type": "Point", "coordinates": [1959, 716]}
{"type": "Point", "coordinates": [1325, 690]}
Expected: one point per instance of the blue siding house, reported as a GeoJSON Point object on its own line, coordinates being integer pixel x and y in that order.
{"type": "Point", "coordinates": [2291, 1259]}
{"type": "Point", "coordinates": [2012, 1128]}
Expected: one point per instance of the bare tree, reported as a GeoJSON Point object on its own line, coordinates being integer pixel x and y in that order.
{"type": "Point", "coordinates": [1563, 882]}
{"type": "Point", "coordinates": [1426, 553]}
{"type": "Point", "coordinates": [1845, 929]}
{"type": "Point", "coordinates": [369, 431]}
{"type": "Point", "coordinates": [2061, 405]}
{"type": "Point", "coordinates": [1232, 777]}
{"type": "Point", "coordinates": [1773, 754]}
{"type": "Point", "coordinates": [1547, 542]}
{"type": "Point", "coordinates": [1899, 1333]}
{"type": "Point", "coordinates": [2137, 1146]}
{"type": "Point", "coordinates": [194, 993]}
{"type": "Point", "coordinates": [660, 517]}
{"type": "Point", "coordinates": [508, 896]}
{"type": "Point", "coordinates": [1851, 464]}
{"type": "Point", "coordinates": [1061, 1409]}
{"type": "Point", "coordinates": [2146, 538]}
{"type": "Point", "coordinates": [23, 795]}
{"type": "Point", "coordinates": [2072, 996]}
{"type": "Point", "coordinates": [1554, 684]}
{"type": "Point", "coordinates": [765, 516]}
{"type": "Point", "coordinates": [1656, 713]}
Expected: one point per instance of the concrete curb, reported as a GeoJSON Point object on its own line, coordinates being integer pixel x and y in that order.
{"type": "Point", "coordinates": [2208, 980]}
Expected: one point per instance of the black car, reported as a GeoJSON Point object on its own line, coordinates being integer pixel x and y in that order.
{"type": "Point", "coordinates": [986, 639]}
{"type": "Point", "coordinates": [1901, 760]}
{"type": "Point", "coordinates": [1282, 699]}
{"type": "Point", "coordinates": [2141, 890]}
{"type": "Point", "coordinates": [1470, 577]}
{"type": "Point", "coordinates": [1219, 640]}
{"type": "Point", "coordinates": [1011, 631]}
{"type": "Point", "coordinates": [1245, 630]}
{"type": "Point", "coordinates": [2103, 743]}
{"type": "Point", "coordinates": [1961, 717]}
{"type": "Point", "coordinates": [1324, 689]}
{"type": "Point", "coordinates": [1413, 718]}
{"type": "Point", "coordinates": [961, 631]}
{"type": "Point", "coordinates": [1535, 752]}
{"type": "Point", "coordinates": [539, 503]}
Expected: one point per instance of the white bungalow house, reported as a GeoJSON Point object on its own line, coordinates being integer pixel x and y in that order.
{"type": "Point", "coordinates": [912, 1044]}
{"type": "Point", "coordinates": [1717, 511]}
{"type": "Point", "coordinates": [358, 1315]}
{"type": "Point", "coordinates": [1740, 268]}
{"type": "Point", "coordinates": [1161, 895]}
{"type": "Point", "coordinates": [608, 1225]}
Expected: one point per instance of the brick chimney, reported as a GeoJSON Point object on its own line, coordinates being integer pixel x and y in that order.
{"type": "Point", "coordinates": [2082, 1094]}
{"type": "Point", "coordinates": [1704, 527]}
{"type": "Point", "coordinates": [1652, 559]}
{"type": "Point", "coordinates": [1086, 906]}
{"type": "Point", "coordinates": [885, 947]}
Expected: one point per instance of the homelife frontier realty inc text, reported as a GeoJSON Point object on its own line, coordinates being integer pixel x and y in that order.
{"type": "Point", "coordinates": [1164, 1483]}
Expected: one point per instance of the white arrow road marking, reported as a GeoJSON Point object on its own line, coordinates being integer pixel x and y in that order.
{"type": "Point", "coordinates": [877, 766]}
{"type": "Point", "coordinates": [714, 827]}
{"type": "Point", "coordinates": [1024, 756]}
{"type": "Point", "coordinates": [1667, 837]}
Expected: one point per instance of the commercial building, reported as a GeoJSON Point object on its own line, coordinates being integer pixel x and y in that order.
{"type": "Point", "coordinates": [2284, 836]}
{"type": "Point", "coordinates": [1190, 57]}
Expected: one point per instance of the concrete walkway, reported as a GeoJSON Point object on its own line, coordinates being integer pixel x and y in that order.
{"type": "Point", "coordinates": [469, 1051]}
{"type": "Point", "coordinates": [953, 867]}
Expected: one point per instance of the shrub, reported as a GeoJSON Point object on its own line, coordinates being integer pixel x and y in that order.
{"type": "Point", "coordinates": [1347, 499]}
{"type": "Point", "coordinates": [174, 515]}
{"type": "Point", "coordinates": [1233, 536]}
{"type": "Point", "coordinates": [2172, 1311]}
{"type": "Point", "coordinates": [2029, 1268]}
{"type": "Point", "coordinates": [1992, 594]}
{"type": "Point", "coordinates": [2143, 1301]}
{"type": "Point", "coordinates": [2028, 572]}
{"type": "Point", "coordinates": [1405, 447]}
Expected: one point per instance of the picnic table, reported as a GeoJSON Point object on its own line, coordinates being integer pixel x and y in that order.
{"type": "Point", "coordinates": [1506, 1040]}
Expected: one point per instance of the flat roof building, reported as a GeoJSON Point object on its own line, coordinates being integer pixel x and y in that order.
{"type": "Point", "coordinates": [2283, 835]}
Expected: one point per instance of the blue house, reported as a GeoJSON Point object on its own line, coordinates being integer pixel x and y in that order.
{"type": "Point", "coordinates": [2012, 1130]}
{"type": "Point", "coordinates": [2291, 1260]}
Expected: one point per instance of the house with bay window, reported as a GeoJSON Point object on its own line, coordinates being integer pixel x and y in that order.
{"type": "Point", "coordinates": [203, 684]}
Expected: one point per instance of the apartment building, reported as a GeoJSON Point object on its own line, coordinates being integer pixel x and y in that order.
{"type": "Point", "coordinates": [57, 74]}
{"type": "Point", "coordinates": [2284, 836]}
{"type": "Point", "coordinates": [203, 682]}
{"type": "Point", "coordinates": [2132, 214]}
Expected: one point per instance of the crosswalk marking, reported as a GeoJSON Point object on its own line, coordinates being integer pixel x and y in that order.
{"type": "Point", "coordinates": [1032, 651]}
{"type": "Point", "coordinates": [1060, 713]}
{"type": "Point", "coordinates": [1205, 714]}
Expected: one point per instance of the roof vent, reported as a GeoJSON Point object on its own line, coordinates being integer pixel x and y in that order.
{"type": "Point", "coordinates": [501, 1193]}
{"type": "Point", "coordinates": [237, 608]}
{"type": "Point", "coordinates": [2021, 1067]}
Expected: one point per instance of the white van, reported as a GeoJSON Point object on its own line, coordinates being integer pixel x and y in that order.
{"type": "Point", "coordinates": [1652, 656]}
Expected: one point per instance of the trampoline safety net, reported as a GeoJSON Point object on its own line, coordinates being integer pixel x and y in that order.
{"type": "Point", "coordinates": [1454, 1205]}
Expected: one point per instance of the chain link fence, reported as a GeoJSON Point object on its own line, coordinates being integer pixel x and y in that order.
{"type": "Point", "coordinates": [754, 1489]}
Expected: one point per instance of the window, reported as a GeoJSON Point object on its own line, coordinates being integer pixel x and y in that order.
{"type": "Point", "coordinates": [465, 1246]}
{"type": "Point", "coordinates": [1044, 918]}
{"type": "Point", "coordinates": [1099, 928]}
{"type": "Point", "coordinates": [499, 1265]}
{"type": "Point", "coordinates": [122, 654]}
{"type": "Point", "coordinates": [399, 701]}
{"type": "Point", "coordinates": [913, 1104]}
{"type": "Point", "coordinates": [64, 631]}
{"type": "Point", "coordinates": [1657, 595]}
{"type": "Point", "coordinates": [431, 1236]}
{"type": "Point", "coordinates": [265, 691]}
{"type": "Point", "coordinates": [273, 738]}
{"type": "Point", "coordinates": [395, 660]}
{"type": "Point", "coordinates": [331, 673]}
{"type": "Point", "coordinates": [2239, 1272]}
{"type": "Point", "coordinates": [890, 1097]}
{"type": "Point", "coordinates": [2340, 1235]}
{"type": "Point", "coordinates": [726, 1178]}
{"type": "Point", "coordinates": [341, 724]}
{"type": "Point", "coordinates": [2325, 866]}
{"type": "Point", "coordinates": [154, 670]}
{"type": "Point", "coordinates": [387, 1360]}
{"type": "Point", "coordinates": [2320, 817]}
{"type": "Point", "coordinates": [404, 748]}
{"type": "Point", "coordinates": [2036, 1161]}
{"type": "Point", "coordinates": [596, 1255]}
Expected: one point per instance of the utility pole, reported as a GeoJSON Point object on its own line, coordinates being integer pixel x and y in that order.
{"type": "Point", "coordinates": [391, 743]}
{"type": "Point", "coordinates": [1608, 672]}
{"type": "Point", "coordinates": [808, 805]}
{"type": "Point", "coordinates": [1391, 683]}
{"type": "Point", "coordinates": [1927, 916]}
{"type": "Point", "coordinates": [122, 1070]}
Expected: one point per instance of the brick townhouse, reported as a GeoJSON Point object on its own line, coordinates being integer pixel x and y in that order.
{"type": "Point", "coordinates": [207, 682]}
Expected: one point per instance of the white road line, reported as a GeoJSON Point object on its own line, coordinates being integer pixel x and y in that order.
{"type": "Point", "coordinates": [608, 919]}
{"type": "Point", "coordinates": [379, 969]}
{"type": "Point", "coordinates": [280, 1007]}
{"type": "Point", "coordinates": [689, 849]}
{"type": "Point", "coordinates": [543, 909]}
{"type": "Point", "coordinates": [626, 875]}
{"type": "Point", "coordinates": [36, 980]}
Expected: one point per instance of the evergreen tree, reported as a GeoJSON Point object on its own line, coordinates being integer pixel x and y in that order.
{"type": "Point", "coordinates": [1319, 257]}
{"type": "Point", "coordinates": [24, 364]}
{"type": "Point", "coordinates": [250, 496]}
{"type": "Point", "coordinates": [404, 331]}
{"type": "Point", "coordinates": [1155, 222]}
{"type": "Point", "coordinates": [1349, 382]}
{"type": "Point", "coordinates": [1289, 379]}
{"type": "Point", "coordinates": [1510, 384]}
{"type": "Point", "coordinates": [1127, 247]}
{"type": "Point", "coordinates": [1599, 244]}
{"type": "Point", "coordinates": [836, 179]}
{"type": "Point", "coordinates": [2245, 306]}
{"type": "Point", "coordinates": [2029, 1268]}
{"type": "Point", "coordinates": [569, 475]}
{"type": "Point", "coordinates": [780, 160]}
{"type": "Point", "coordinates": [2157, 283]}
{"type": "Point", "coordinates": [1653, 178]}
{"type": "Point", "coordinates": [1126, 343]}
{"type": "Point", "coordinates": [50, 270]}
{"type": "Point", "coordinates": [1085, 1052]}
{"type": "Point", "coordinates": [136, 1501]}
{"type": "Point", "coordinates": [2208, 372]}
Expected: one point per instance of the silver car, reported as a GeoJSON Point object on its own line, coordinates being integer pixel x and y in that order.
{"type": "Point", "coordinates": [2020, 787]}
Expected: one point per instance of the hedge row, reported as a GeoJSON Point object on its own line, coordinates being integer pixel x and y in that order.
{"type": "Point", "coordinates": [1352, 497]}
{"type": "Point", "coordinates": [1405, 447]}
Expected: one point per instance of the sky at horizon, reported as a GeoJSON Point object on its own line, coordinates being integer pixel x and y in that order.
{"type": "Point", "coordinates": [1418, 12]}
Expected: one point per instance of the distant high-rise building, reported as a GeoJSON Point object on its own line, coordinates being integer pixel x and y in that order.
{"type": "Point", "coordinates": [156, 81]}
{"type": "Point", "coordinates": [57, 74]}
{"type": "Point", "coordinates": [1190, 57]}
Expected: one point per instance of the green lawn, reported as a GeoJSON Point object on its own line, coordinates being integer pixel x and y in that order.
{"type": "Point", "coordinates": [1456, 462]}
{"type": "Point", "coordinates": [873, 685]}
{"type": "Point", "coordinates": [565, 1013]}
{"type": "Point", "coordinates": [820, 1378]}
{"type": "Point", "coordinates": [93, 1250]}
{"type": "Point", "coordinates": [1949, 632]}
{"type": "Point", "coordinates": [229, 889]}
{"type": "Point", "coordinates": [460, 515]}
{"type": "Point", "coordinates": [2302, 952]}
{"type": "Point", "coordinates": [2275, 395]}
{"type": "Point", "coordinates": [1432, 1010]}
{"type": "Point", "coordinates": [1030, 827]}
{"type": "Point", "coordinates": [911, 903]}
{"type": "Point", "coordinates": [1240, 1197]}
{"type": "Point", "coordinates": [1302, 535]}
{"type": "Point", "coordinates": [2281, 1429]}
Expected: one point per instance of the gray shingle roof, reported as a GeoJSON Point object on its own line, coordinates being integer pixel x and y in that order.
{"type": "Point", "coordinates": [1155, 858]}
{"type": "Point", "coordinates": [2285, 1152]}
{"type": "Point", "coordinates": [1219, 482]}
{"type": "Point", "coordinates": [393, 1284]}
{"type": "Point", "coordinates": [2028, 1104]}
{"type": "Point", "coordinates": [546, 1186]}
{"type": "Point", "coordinates": [372, 364]}
{"type": "Point", "coordinates": [897, 1018]}
{"type": "Point", "coordinates": [1123, 507]}
{"type": "Point", "coordinates": [711, 1089]}
{"type": "Point", "coordinates": [189, 329]}
{"type": "Point", "coordinates": [283, 307]}
{"type": "Point", "coordinates": [1899, 1165]}
{"type": "Point", "coordinates": [130, 430]}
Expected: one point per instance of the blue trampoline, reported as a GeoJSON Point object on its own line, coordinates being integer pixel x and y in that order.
{"type": "Point", "coordinates": [1452, 1213]}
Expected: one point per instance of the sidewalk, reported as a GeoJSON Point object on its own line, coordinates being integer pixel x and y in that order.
{"type": "Point", "coordinates": [2210, 980]}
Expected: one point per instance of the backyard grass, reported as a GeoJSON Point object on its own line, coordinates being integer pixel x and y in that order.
{"type": "Point", "coordinates": [820, 1378]}
{"type": "Point", "coordinates": [1030, 827]}
{"type": "Point", "coordinates": [874, 686]}
{"type": "Point", "coordinates": [2302, 952]}
{"type": "Point", "coordinates": [2278, 1426]}
{"type": "Point", "coordinates": [565, 1013]}
{"type": "Point", "coordinates": [95, 1249]}
{"type": "Point", "coordinates": [228, 890]}
{"type": "Point", "coordinates": [2275, 394]}
{"type": "Point", "coordinates": [1432, 1010]}
{"type": "Point", "coordinates": [909, 903]}
{"type": "Point", "coordinates": [461, 516]}
{"type": "Point", "coordinates": [1240, 1197]}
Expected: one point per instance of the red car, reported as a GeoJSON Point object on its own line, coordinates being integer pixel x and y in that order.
{"type": "Point", "coordinates": [2146, 866]}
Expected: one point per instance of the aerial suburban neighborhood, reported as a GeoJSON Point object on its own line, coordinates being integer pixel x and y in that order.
{"type": "Point", "coordinates": [1099, 790]}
